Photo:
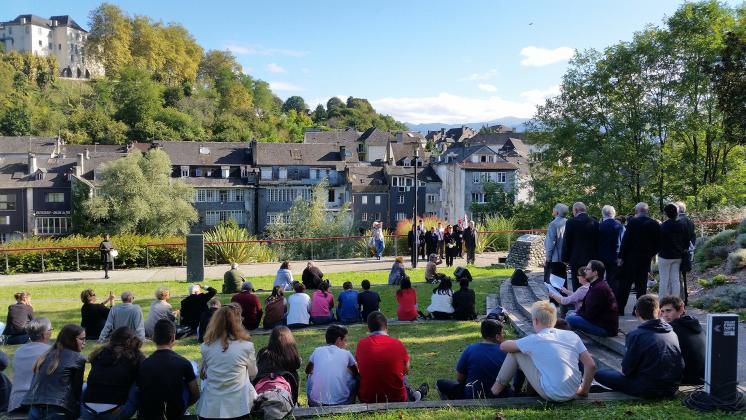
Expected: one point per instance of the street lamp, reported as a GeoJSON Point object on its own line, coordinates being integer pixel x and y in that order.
{"type": "Point", "coordinates": [414, 213]}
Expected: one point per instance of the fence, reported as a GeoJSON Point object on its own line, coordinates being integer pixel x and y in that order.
{"type": "Point", "coordinates": [77, 258]}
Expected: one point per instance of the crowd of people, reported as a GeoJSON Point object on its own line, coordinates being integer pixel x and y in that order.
{"type": "Point", "coordinates": [448, 242]}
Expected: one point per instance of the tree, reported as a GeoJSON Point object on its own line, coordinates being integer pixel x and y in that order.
{"type": "Point", "coordinates": [215, 64]}
{"type": "Point", "coordinates": [138, 96]}
{"type": "Point", "coordinates": [137, 195]}
{"type": "Point", "coordinates": [334, 107]}
{"type": "Point", "coordinates": [319, 114]}
{"type": "Point", "coordinates": [16, 120]}
{"type": "Point", "coordinates": [296, 103]}
{"type": "Point", "coordinates": [497, 202]}
{"type": "Point", "coordinates": [110, 37]}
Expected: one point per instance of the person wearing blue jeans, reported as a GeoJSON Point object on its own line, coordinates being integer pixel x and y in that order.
{"type": "Point", "coordinates": [377, 233]}
{"type": "Point", "coordinates": [599, 314]}
{"type": "Point", "coordinates": [117, 412]}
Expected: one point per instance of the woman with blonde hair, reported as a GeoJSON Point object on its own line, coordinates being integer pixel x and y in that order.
{"type": "Point", "coordinates": [397, 272]}
{"type": "Point", "coordinates": [228, 364]}
{"type": "Point", "coordinates": [160, 309]}
{"type": "Point", "coordinates": [19, 314]}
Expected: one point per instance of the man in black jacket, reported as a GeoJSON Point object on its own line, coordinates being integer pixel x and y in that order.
{"type": "Point", "coordinates": [463, 302]}
{"type": "Point", "coordinates": [686, 259]}
{"type": "Point", "coordinates": [652, 366]}
{"type": "Point", "coordinates": [431, 241]}
{"type": "Point", "coordinates": [580, 243]}
{"type": "Point", "coordinates": [640, 243]}
{"type": "Point", "coordinates": [193, 305]}
{"type": "Point", "coordinates": [470, 242]}
{"type": "Point", "coordinates": [691, 339]}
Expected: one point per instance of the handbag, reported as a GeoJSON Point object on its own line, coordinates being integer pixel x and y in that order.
{"type": "Point", "coordinates": [114, 253]}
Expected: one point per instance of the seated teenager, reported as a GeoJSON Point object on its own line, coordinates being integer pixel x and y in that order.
{"type": "Point", "coordinates": [691, 339]}
{"type": "Point", "coordinates": [312, 276]}
{"type": "Point", "coordinates": [165, 377]}
{"type": "Point", "coordinates": [322, 303]}
{"type": "Point", "coordinates": [464, 301]}
{"type": "Point", "coordinates": [477, 367]}
{"type": "Point", "coordinates": [383, 362]}
{"type": "Point", "coordinates": [111, 389]}
{"type": "Point", "coordinates": [573, 298]}
{"type": "Point", "coordinates": [599, 313]}
{"type": "Point", "coordinates": [441, 303]}
{"type": "Point", "coordinates": [548, 359]}
{"type": "Point", "coordinates": [274, 308]}
{"type": "Point", "coordinates": [348, 310]}
{"type": "Point", "coordinates": [299, 307]}
{"type": "Point", "coordinates": [406, 297]}
{"type": "Point", "coordinates": [652, 365]}
{"type": "Point", "coordinates": [280, 357]}
{"type": "Point", "coordinates": [332, 371]}
{"type": "Point", "coordinates": [368, 300]}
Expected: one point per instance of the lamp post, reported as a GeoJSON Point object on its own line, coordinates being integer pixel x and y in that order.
{"type": "Point", "coordinates": [414, 213]}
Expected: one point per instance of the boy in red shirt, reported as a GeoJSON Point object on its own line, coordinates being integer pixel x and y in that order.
{"type": "Point", "coordinates": [383, 361]}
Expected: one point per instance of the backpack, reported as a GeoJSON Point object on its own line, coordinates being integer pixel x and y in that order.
{"type": "Point", "coordinates": [519, 278]}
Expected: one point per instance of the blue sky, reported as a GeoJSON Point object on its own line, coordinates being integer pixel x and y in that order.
{"type": "Point", "coordinates": [420, 61]}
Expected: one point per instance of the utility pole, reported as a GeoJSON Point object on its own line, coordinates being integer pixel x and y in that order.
{"type": "Point", "coordinates": [414, 213]}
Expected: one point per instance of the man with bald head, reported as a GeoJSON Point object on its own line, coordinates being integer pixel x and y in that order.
{"type": "Point", "coordinates": [580, 243]}
{"type": "Point", "coordinates": [640, 243]}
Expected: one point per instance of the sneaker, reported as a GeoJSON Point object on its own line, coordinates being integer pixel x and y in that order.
{"type": "Point", "coordinates": [424, 389]}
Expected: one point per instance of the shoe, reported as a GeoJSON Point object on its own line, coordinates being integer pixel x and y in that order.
{"type": "Point", "coordinates": [424, 389]}
{"type": "Point", "coordinates": [106, 277]}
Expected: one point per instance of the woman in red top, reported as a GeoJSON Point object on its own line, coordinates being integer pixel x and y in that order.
{"type": "Point", "coordinates": [407, 299]}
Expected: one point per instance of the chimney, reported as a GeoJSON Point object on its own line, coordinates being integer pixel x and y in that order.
{"type": "Point", "coordinates": [58, 144]}
{"type": "Point", "coordinates": [80, 169]}
{"type": "Point", "coordinates": [31, 163]}
{"type": "Point", "coordinates": [87, 153]}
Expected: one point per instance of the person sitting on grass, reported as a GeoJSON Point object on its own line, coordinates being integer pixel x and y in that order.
{"type": "Point", "coordinates": [194, 304]}
{"type": "Point", "coordinates": [19, 314]}
{"type": "Point", "coordinates": [93, 315]}
{"type": "Point", "coordinates": [691, 339]}
{"type": "Point", "coordinates": [652, 366]}
{"type": "Point", "coordinates": [166, 382]}
{"type": "Point", "coordinates": [159, 309]}
{"type": "Point", "coordinates": [125, 314]}
{"type": "Point", "coordinates": [312, 276]}
{"type": "Point", "coordinates": [397, 272]}
{"type": "Point", "coordinates": [441, 303]}
{"type": "Point", "coordinates": [573, 298]}
{"type": "Point", "coordinates": [477, 367]}
{"type": "Point", "coordinates": [280, 357]}
{"type": "Point", "coordinates": [5, 384]}
{"type": "Point", "coordinates": [111, 386]}
{"type": "Point", "coordinates": [251, 307]}
{"type": "Point", "coordinates": [348, 311]}
{"type": "Point", "coordinates": [383, 362]}
{"type": "Point", "coordinates": [368, 300]}
{"type": "Point", "coordinates": [284, 277]}
{"type": "Point", "coordinates": [548, 359]}
{"type": "Point", "coordinates": [274, 308]}
{"type": "Point", "coordinates": [431, 268]}
{"type": "Point", "coordinates": [464, 301]}
{"type": "Point", "coordinates": [406, 297]}
{"type": "Point", "coordinates": [39, 331]}
{"type": "Point", "coordinates": [599, 313]}
{"type": "Point", "coordinates": [322, 303]}
{"type": "Point", "coordinates": [232, 279]}
{"type": "Point", "coordinates": [332, 371]}
{"type": "Point", "coordinates": [204, 321]}
{"type": "Point", "coordinates": [299, 307]}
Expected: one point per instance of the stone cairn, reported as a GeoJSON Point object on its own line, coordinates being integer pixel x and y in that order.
{"type": "Point", "coordinates": [527, 252]}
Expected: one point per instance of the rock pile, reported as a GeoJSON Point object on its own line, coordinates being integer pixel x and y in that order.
{"type": "Point", "coordinates": [527, 252]}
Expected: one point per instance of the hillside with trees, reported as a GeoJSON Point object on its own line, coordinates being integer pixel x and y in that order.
{"type": "Point", "coordinates": [160, 84]}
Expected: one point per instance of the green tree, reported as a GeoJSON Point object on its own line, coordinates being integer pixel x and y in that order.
{"type": "Point", "coordinates": [109, 40]}
{"type": "Point", "coordinates": [137, 195]}
{"type": "Point", "coordinates": [295, 103]}
{"type": "Point", "coordinates": [16, 120]}
{"type": "Point", "coordinates": [138, 96]}
{"type": "Point", "coordinates": [497, 202]}
{"type": "Point", "coordinates": [319, 114]}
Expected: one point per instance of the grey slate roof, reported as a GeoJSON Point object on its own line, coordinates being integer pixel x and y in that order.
{"type": "Point", "coordinates": [497, 139]}
{"type": "Point", "coordinates": [376, 137]}
{"type": "Point", "coordinates": [280, 154]}
{"type": "Point", "coordinates": [367, 179]}
{"type": "Point", "coordinates": [25, 144]}
{"type": "Point", "coordinates": [215, 153]}
{"type": "Point", "coordinates": [349, 136]}
{"type": "Point", "coordinates": [62, 20]}
{"type": "Point", "coordinates": [401, 151]}
{"type": "Point", "coordinates": [14, 173]}
{"type": "Point", "coordinates": [425, 173]}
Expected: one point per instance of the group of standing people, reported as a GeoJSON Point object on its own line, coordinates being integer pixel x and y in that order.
{"type": "Point", "coordinates": [447, 242]}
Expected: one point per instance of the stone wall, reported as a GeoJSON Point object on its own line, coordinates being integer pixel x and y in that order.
{"type": "Point", "coordinates": [527, 252]}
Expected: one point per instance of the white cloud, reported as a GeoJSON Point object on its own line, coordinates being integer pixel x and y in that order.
{"type": "Point", "coordinates": [285, 87]}
{"type": "Point", "coordinates": [275, 68]}
{"type": "Point", "coordinates": [490, 74]}
{"type": "Point", "coordinates": [486, 87]}
{"type": "Point", "coordinates": [453, 109]}
{"type": "Point", "coordinates": [243, 49]}
{"type": "Point", "coordinates": [537, 57]}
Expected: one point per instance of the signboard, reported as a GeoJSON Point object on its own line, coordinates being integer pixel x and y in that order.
{"type": "Point", "coordinates": [52, 212]}
{"type": "Point", "coordinates": [195, 256]}
{"type": "Point", "coordinates": [721, 359]}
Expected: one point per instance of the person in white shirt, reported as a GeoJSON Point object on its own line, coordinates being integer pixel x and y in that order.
{"type": "Point", "coordinates": [441, 303]}
{"type": "Point", "coordinates": [332, 371]}
{"type": "Point", "coordinates": [159, 309]}
{"type": "Point", "coordinates": [299, 307]}
{"type": "Point", "coordinates": [549, 359]}
{"type": "Point", "coordinates": [228, 365]}
{"type": "Point", "coordinates": [39, 331]}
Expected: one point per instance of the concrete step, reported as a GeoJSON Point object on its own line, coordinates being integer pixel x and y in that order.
{"type": "Point", "coordinates": [615, 344]}
{"type": "Point", "coordinates": [521, 324]}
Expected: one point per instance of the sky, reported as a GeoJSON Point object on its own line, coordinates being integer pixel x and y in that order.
{"type": "Point", "coordinates": [421, 61]}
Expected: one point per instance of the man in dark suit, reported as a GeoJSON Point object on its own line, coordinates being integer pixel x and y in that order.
{"type": "Point", "coordinates": [640, 243]}
{"type": "Point", "coordinates": [580, 243]}
{"type": "Point", "coordinates": [431, 242]}
{"type": "Point", "coordinates": [686, 259]}
{"type": "Point", "coordinates": [610, 233]}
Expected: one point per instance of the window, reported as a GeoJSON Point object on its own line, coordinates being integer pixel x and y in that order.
{"type": "Point", "coordinates": [400, 216]}
{"type": "Point", "coordinates": [266, 173]}
{"type": "Point", "coordinates": [223, 194]}
{"type": "Point", "coordinates": [477, 198]}
{"type": "Point", "coordinates": [430, 198]}
{"type": "Point", "coordinates": [273, 218]}
{"type": "Point", "coordinates": [285, 195]}
{"type": "Point", "coordinates": [198, 172]}
{"type": "Point", "coordinates": [500, 177]}
{"type": "Point", "coordinates": [59, 47]}
{"type": "Point", "coordinates": [205, 195]}
{"type": "Point", "coordinates": [213, 217]}
{"type": "Point", "coordinates": [52, 225]}
{"type": "Point", "coordinates": [283, 173]}
{"type": "Point", "coordinates": [364, 217]}
{"type": "Point", "coordinates": [4, 220]}
{"type": "Point", "coordinates": [497, 177]}
{"type": "Point", "coordinates": [401, 199]}
{"type": "Point", "coordinates": [400, 181]}
{"type": "Point", "coordinates": [378, 199]}
{"type": "Point", "coordinates": [54, 197]}
{"type": "Point", "coordinates": [364, 199]}
{"type": "Point", "coordinates": [7, 201]}
{"type": "Point", "coordinates": [377, 216]}
{"type": "Point", "coordinates": [319, 173]}
{"type": "Point", "coordinates": [185, 171]}
{"type": "Point", "coordinates": [225, 171]}
{"type": "Point", "coordinates": [332, 196]}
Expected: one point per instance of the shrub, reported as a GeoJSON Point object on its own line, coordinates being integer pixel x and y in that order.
{"type": "Point", "coordinates": [719, 280]}
{"type": "Point", "coordinates": [715, 249]}
{"type": "Point", "coordinates": [704, 283]}
{"type": "Point", "coordinates": [741, 240]}
{"type": "Point", "coordinates": [495, 241]}
{"type": "Point", "coordinates": [235, 252]}
{"type": "Point", "coordinates": [723, 299]}
{"type": "Point", "coordinates": [742, 226]}
{"type": "Point", "coordinates": [736, 261]}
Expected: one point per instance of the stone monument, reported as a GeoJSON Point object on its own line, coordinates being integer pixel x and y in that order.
{"type": "Point", "coordinates": [527, 252]}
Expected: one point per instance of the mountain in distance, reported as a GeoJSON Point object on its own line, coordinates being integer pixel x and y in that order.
{"type": "Point", "coordinates": [519, 124]}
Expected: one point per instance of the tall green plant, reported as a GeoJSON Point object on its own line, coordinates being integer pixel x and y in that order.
{"type": "Point", "coordinates": [495, 241]}
{"type": "Point", "coordinates": [235, 252]}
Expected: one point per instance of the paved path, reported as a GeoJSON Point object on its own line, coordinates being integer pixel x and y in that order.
{"type": "Point", "coordinates": [216, 271]}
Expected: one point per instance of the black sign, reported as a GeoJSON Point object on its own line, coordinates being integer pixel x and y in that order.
{"type": "Point", "coordinates": [721, 364]}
